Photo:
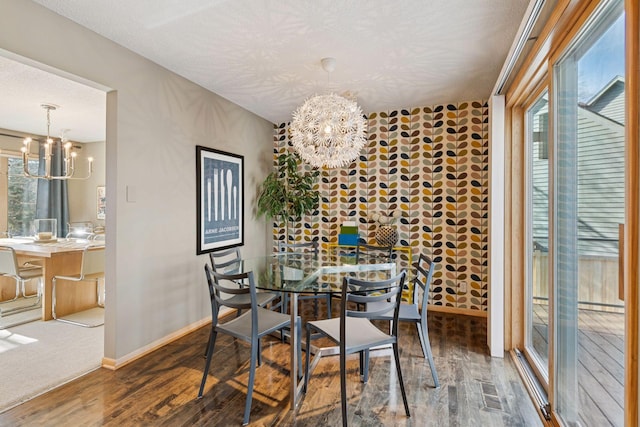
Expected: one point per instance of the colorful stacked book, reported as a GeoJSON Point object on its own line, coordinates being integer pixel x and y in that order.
{"type": "Point", "coordinates": [348, 233]}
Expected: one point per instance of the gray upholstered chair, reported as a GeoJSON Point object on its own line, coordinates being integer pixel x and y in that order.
{"type": "Point", "coordinates": [10, 267]}
{"type": "Point", "coordinates": [251, 326]}
{"type": "Point", "coordinates": [354, 332]}
{"type": "Point", "coordinates": [302, 248]}
{"type": "Point", "coordinates": [416, 312]}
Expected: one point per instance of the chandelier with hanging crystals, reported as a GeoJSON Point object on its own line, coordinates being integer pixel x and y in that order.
{"type": "Point", "coordinates": [328, 130]}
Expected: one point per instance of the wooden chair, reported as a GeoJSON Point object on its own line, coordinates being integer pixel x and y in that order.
{"type": "Point", "coordinates": [251, 326]}
{"type": "Point", "coordinates": [354, 332]}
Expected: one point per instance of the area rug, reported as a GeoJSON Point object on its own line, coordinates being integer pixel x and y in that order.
{"type": "Point", "coordinates": [39, 356]}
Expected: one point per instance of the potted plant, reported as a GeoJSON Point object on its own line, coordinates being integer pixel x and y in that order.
{"type": "Point", "coordinates": [287, 193]}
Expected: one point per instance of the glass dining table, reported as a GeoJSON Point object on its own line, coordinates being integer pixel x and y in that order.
{"type": "Point", "coordinates": [297, 274]}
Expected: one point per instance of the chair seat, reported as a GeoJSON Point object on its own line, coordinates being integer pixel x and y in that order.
{"type": "Point", "coordinates": [262, 298]}
{"type": "Point", "coordinates": [268, 321]}
{"type": "Point", "coordinates": [30, 272]}
{"type": "Point", "coordinates": [360, 333]}
{"type": "Point", "coordinates": [407, 312]}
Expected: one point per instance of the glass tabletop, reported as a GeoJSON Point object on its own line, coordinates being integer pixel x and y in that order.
{"type": "Point", "coordinates": [303, 273]}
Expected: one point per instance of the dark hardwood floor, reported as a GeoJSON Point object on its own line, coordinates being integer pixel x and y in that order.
{"type": "Point", "coordinates": [160, 389]}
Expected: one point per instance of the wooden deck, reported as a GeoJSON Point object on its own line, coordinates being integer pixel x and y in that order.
{"type": "Point", "coordinates": [160, 389]}
{"type": "Point", "coordinates": [601, 363]}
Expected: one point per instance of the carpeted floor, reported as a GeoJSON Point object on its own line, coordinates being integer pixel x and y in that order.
{"type": "Point", "coordinates": [39, 356]}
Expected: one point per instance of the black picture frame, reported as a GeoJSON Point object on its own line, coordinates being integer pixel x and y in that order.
{"type": "Point", "coordinates": [219, 199]}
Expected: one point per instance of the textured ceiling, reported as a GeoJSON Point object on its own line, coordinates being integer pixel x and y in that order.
{"type": "Point", "coordinates": [265, 54]}
{"type": "Point", "coordinates": [82, 109]}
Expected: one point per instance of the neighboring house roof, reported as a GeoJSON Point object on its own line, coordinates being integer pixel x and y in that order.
{"type": "Point", "coordinates": [609, 101]}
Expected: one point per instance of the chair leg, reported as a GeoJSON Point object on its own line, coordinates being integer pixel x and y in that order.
{"type": "Point", "coordinates": [396, 355]}
{"type": "Point", "coordinates": [315, 305]}
{"type": "Point", "coordinates": [307, 359]}
{"type": "Point", "coordinates": [210, 345]}
{"type": "Point", "coordinates": [252, 375]}
{"type": "Point", "coordinates": [53, 298]}
{"type": "Point", "coordinates": [329, 314]}
{"type": "Point", "coordinates": [299, 349]}
{"type": "Point", "coordinates": [343, 386]}
{"type": "Point", "coordinates": [423, 334]}
{"type": "Point", "coordinates": [284, 305]}
{"type": "Point", "coordinates": [364, 366]}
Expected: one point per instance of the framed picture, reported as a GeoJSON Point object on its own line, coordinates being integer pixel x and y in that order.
{"type": "Point", "coordinates": [101, 202]}
{"type": "Point", "coordinates": [220, 195]}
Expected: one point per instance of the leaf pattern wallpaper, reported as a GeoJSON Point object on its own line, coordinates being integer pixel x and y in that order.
{"type": "Point", "coordinates": [431, 163]}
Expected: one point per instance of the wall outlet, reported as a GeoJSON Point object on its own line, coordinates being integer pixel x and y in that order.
{"type": "Point", "coordinates": [462, 287]}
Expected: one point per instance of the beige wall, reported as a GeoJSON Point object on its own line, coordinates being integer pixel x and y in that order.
{"type": "Point", "coordinates": [82, 193]}
{"type": "Point", "coordinates": [155, 118]}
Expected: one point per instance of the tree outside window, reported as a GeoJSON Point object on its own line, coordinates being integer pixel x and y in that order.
{"type": "Point", "coordinates": [21, 200]}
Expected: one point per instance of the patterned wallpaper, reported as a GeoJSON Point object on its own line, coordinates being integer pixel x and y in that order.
{"type": "Point", "coordinates": [432, 164]}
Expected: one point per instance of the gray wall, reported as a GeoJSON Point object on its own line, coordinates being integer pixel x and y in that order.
{"type": "Point", "coordinates": [155, 283]}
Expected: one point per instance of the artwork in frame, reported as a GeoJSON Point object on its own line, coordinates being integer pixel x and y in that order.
{"type": "Point", "coordinates": [101, 198]}
{"type": "Point", "coordinates": [220, 195]}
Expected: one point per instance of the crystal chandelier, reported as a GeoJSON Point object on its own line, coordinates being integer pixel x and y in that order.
{"type": "Point", "coordinates": [328, 130]}
{"type": "Point", "coordinates": [68, 161]}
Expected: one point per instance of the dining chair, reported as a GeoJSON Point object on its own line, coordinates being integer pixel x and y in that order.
{"type": "Point", "coordinates": [91, 270]}
{"type": "Point", "coordinates": [302, 248]}
{"type": "Point", "coordinates": [354, 332]}
{"type": "Point", "coordinates": [229, 261]}
{"type": "Point", "coordinates": [251, 326]}
{"type": "Point", "coordinates": [365, 251]}
{"type": "Point", "coordinates": [80, 230]}
{"type": "Point", "coordinates": [415, 312]}
{"type": "Point", "coordinates": [10, 267]}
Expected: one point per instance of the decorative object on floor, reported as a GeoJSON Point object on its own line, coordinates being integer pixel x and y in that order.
{"type": "Point", "coordinates": [59, 152]}
{"type": "Point", "coordinates": [386, 233]}
{"type": "Point", "coordinates": [328, 130]}
{"type": "Point", "coordinates": [288, 192]}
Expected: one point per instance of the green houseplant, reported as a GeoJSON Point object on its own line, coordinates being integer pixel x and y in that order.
{"type": "Point", "coordinates": [287, 193]}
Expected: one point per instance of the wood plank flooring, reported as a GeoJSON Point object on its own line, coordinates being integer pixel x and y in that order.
{"type": "Point", "coordinates": [160, 389]}
{"type": "Point", "coordinates": [600, 364]}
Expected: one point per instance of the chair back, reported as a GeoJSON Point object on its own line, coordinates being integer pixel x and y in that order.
{"type": "Point", "coordinates": [219, 292]}
{"type": "Point", "coordinates": [80, 230]}
{"type": "Point", "coordinates": [92, 262]}
{"type": "Point", "coordinates": [224, 258]}
{"type": "Point", "coordinates": [365, 291]}
{"type": "Point", "coordinates": [8, 261]}
{"type": "Point", "coordinates": [373, 253]}
{"type": "Point", "coordinates": [299, 247]}
{"type": "Point", "coordinates": [423, 272]}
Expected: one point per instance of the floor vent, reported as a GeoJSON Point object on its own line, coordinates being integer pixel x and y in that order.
{"type": "Point", "coordinates": [490, 396]}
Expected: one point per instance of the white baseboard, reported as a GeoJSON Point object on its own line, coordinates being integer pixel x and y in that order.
{"type": "Point", "coordinates": [114, 364]}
